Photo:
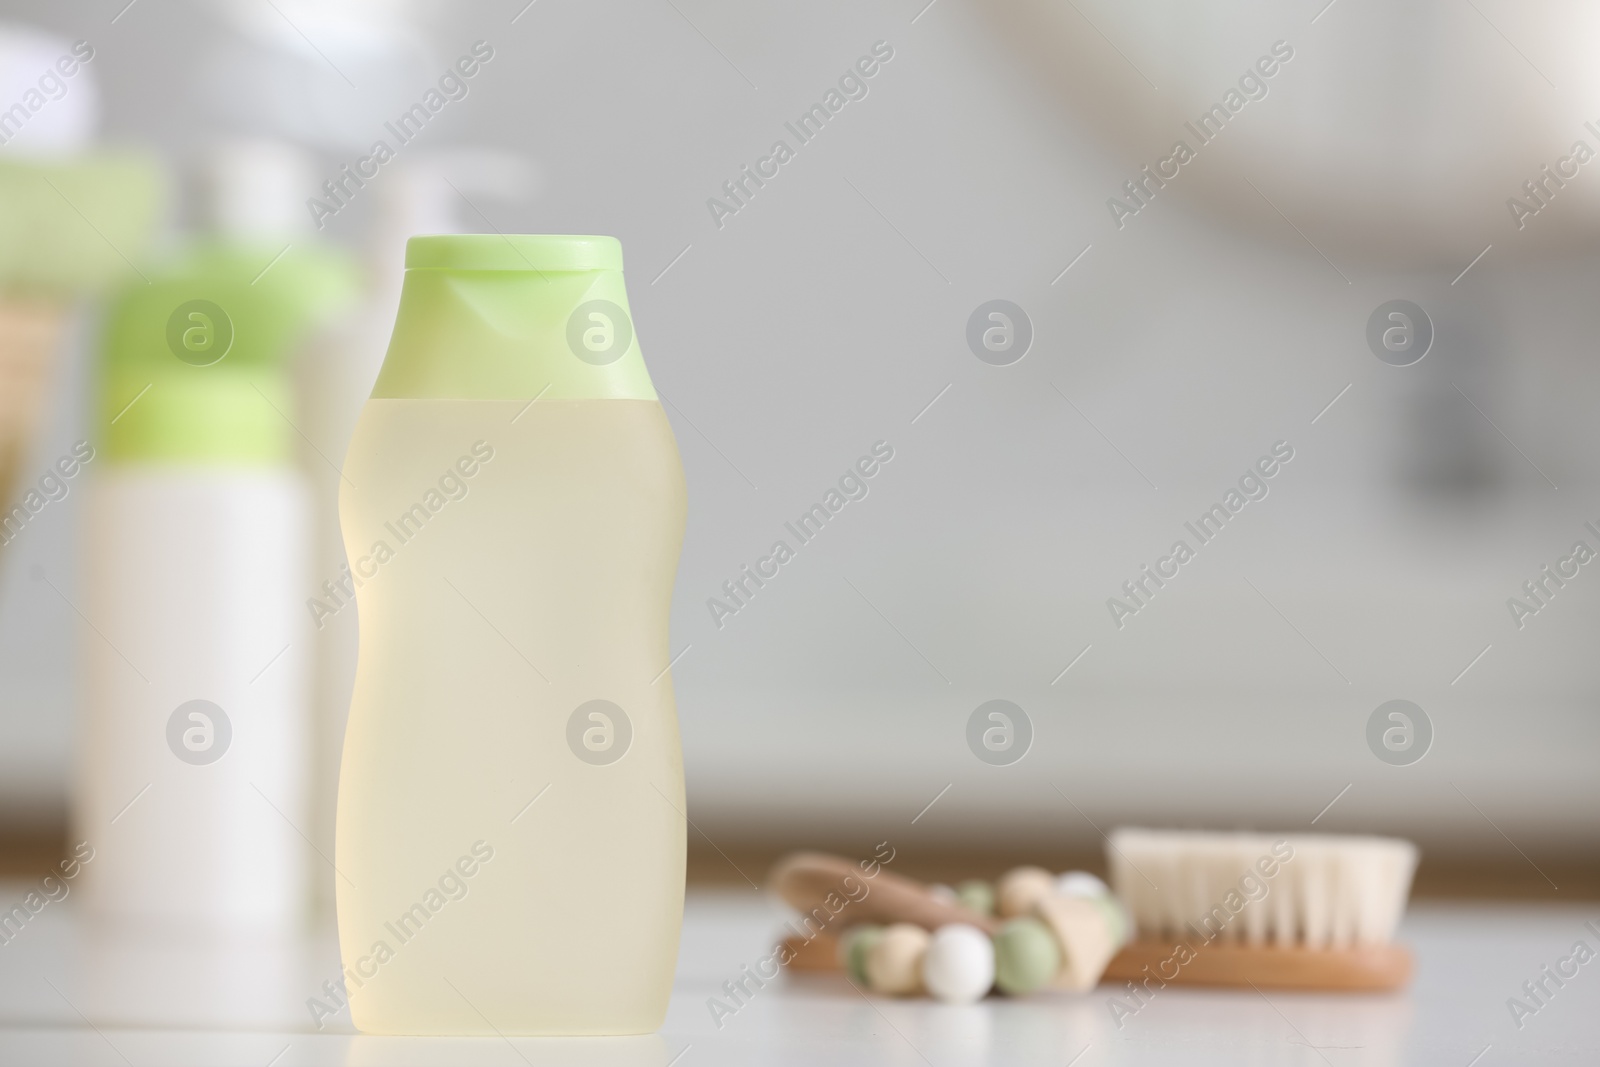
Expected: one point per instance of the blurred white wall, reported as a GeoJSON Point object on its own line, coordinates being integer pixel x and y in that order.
{"type": "Point", "coordinates": [826, 314]}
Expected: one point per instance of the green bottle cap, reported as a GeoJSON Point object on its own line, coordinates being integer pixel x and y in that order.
{"type": "Point", "coordinates": [514, 317]}
{"type": "Point", "coordinates": [514, 251]}
{"type": "Point", "coordinates": [194, 358]}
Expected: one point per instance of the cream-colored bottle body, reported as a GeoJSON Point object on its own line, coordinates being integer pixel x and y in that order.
{"type": "Point", "coordinates": [501, 867]}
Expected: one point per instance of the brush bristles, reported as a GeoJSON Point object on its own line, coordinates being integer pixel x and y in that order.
{"type": "Point", "coordinates": [1316, 891]}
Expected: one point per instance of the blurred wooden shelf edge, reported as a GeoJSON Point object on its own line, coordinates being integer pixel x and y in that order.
{"type": "Point", "coordinates": [1440, 876]}
{"type": "Point", "coordinates": [30, 855]}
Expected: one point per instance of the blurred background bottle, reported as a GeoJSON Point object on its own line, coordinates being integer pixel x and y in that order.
{"type": "Point", "coordinates": [49, 181]}
{"type": "Point", "coordinates": [194, 741]}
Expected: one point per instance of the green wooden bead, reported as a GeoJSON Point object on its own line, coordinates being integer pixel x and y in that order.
{"type": "Point", "coordinates": [853, 950]}
{"type": "Point", "coordinates": [977, 895]}
{"type": "Point", "coordinates": [1026, 956]}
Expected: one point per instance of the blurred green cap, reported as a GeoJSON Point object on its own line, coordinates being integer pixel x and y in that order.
{"type": "Point", "coordinates": [194, 361]}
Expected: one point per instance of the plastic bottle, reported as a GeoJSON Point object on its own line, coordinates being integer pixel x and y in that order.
{"type": "Point", "coordinates": [191, 778]}
{"type": "Point", "coordinates": [510, 839]}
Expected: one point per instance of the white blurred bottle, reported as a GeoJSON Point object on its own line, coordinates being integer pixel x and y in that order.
{"type": "Point", "coordinates": [194, 776]}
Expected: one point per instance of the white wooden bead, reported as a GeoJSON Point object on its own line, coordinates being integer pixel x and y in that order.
{"type": "Point", "coordinates": [1081, 884]}
{"type": "Point", "coordinates": [958, 967]}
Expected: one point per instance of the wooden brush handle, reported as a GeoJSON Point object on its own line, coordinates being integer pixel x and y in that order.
{"type": "Point", "coordinates": [805, 879]}
{"type": "Point", "coordinates": [1372, 968]}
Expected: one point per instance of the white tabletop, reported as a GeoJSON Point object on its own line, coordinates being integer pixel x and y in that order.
{"type": "Point", "coordinates": [67, 997]}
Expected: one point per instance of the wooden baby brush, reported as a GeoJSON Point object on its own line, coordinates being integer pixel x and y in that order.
{"type": "Point", "coordinates": [1293, 912]}
{"type": "Point", "coordinates": [30, 335]}
{"type": "Point", "coordinates": [50, 255]}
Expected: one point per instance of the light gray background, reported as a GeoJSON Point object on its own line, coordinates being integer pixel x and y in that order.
{"type": "Point", "coordinates": [827, 314]}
